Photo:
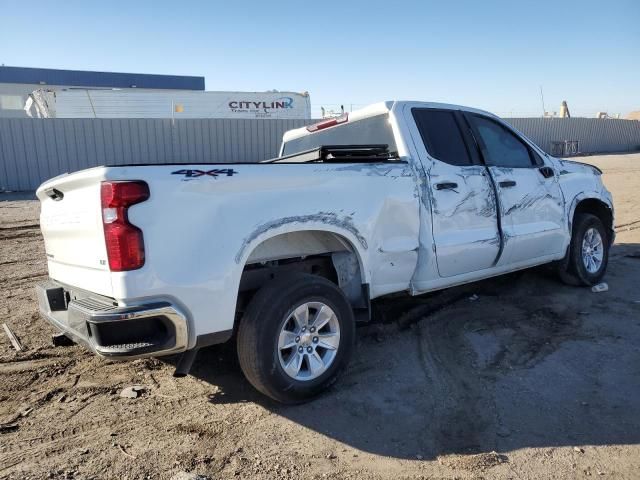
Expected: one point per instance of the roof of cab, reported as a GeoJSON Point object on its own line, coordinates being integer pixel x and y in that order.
{"type": "Point", "coordinates": [381, 108]}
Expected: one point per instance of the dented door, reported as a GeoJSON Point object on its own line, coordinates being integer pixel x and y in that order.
{"type": "Point", "coordinates": [531, 202]}
{"type": "Point", "coordinates": [532, 210]}
{"type": "Point", "coordinates": [465, 227]}
{"type": "Point", "coordinates": [463, 216]}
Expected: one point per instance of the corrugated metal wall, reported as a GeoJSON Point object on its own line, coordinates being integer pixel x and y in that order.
{"type": "Point", "coordinates": [593, 134]}
{"type": "Point", "coordinates": [33, 150]}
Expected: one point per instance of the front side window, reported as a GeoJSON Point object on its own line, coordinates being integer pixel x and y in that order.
{"type": "Point", "coordinates": [441, 136]}
{"type": "Point", "coordinates": [503, 148]}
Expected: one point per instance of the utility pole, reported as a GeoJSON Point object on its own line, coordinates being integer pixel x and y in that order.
{"type": "Point", "coordinates": [542, 99]}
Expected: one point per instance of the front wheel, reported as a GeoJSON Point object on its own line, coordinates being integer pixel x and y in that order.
{"type": "Point", "coordinates": [295, 337]}
{"type": "Point", "coordinates": [588, 255]}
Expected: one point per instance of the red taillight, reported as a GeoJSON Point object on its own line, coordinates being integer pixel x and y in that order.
{"type": "Point", "coordinates": [125, 245]}
{"type": "Point", "coordinates": [328, 123]}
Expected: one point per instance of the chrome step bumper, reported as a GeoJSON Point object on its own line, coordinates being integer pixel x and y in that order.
{"type": "Point", "coordinates": [151, 329]}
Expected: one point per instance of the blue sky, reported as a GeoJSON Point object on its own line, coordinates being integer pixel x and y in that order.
{"type": "Point", "coordinates": [489, 54]}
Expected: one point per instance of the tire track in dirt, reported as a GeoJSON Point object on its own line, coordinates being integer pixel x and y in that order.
{"type": "Point", "coordinates": [464, 412]}
{"type": "Point", "coordinates": [29, 226]}
{"type": "Point", "coordinates": [20, 235]}
{"type": "Point", "coordinates": [21, 261]}
{"type": "Point", "coordinates": [19, 282]}
{"type": "Point", "coordinates": [625, 227]}
{"type": "Point", "coordinates": [81, 432]}
{"type": "Point", "coordinates": [7, 367]}
{"type": "Point", "coordinates": [76, 436]}
{"type": "Point", "coordinates": [466, 346]}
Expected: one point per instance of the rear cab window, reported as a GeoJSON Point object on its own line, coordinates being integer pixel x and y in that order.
{"type": "Point", "coordinates": [367, 131]}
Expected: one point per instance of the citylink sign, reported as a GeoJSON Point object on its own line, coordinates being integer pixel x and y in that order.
{"type": "Point", "coordinates": [261, 107]}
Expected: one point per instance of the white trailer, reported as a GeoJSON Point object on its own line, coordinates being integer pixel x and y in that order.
{"type": "Point", "coordinates": [84, 103]}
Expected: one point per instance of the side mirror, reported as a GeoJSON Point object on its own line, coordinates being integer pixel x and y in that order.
{"type": "Point", "coordinates": [547, 172]}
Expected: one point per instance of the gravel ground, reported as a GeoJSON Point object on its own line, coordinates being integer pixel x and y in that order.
{"type": "Point", "coordinates": [516, 377]}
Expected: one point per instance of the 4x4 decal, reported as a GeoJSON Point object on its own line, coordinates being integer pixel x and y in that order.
{"type": "Point", "coordinates": [229, 172]}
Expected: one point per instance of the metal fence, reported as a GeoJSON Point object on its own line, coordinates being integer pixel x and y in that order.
{"type": "Point", "coordinates": [33, 150]}
{"type": "Point", "coordinates": [593, 135]}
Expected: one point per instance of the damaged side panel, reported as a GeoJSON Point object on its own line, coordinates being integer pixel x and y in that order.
{"type": "Point", "coordinates": [532, 214]}
{"type": "Point", "coordinates": [459, 231]}
{"type": "Point", "coordinates": [381, 221]}
{"type": "Point", "coordinates": [463, 218]}
{"type": "Point", "coordinates": [578, 182]}
{"type": "Point", "coordinates": [257, 215]}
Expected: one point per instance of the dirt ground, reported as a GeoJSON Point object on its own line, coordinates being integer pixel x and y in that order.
{"type": "Point", "coordinates": [517, 377]}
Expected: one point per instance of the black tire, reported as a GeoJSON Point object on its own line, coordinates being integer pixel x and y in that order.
{"type": "Point", "coordinates": [259, 330]}
{"type": "Point", "coordinates": [572, 269]}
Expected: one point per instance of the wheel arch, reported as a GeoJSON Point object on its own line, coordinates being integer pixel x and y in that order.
{"type": "Point", "coordinates": [334, 254]}
{"type": "Point", "coordinates": [595, 206]}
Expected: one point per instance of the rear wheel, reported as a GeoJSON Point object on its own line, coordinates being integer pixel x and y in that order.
{"type": "Point", "coordinates": [295, 337]}
{"type": "Point", "coordinates": [588, 255]}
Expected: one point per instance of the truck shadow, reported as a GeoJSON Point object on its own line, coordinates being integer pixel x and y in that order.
{"type": "Point", "coordinates": [513, 362]}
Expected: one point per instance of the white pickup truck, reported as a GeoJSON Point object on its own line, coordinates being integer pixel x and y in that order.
{"type": "Point", "coordinates": [285, 255]}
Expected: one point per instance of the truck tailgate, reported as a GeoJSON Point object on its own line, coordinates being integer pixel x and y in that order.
{"type": "Point", "coordinates": [71, 224]}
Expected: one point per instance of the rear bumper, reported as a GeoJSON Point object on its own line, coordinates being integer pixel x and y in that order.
{"type": "Point", "coordinates": [151, 329]}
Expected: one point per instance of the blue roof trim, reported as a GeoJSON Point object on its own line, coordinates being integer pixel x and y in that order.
{"type": "Point", "coordinates": [78, 78]}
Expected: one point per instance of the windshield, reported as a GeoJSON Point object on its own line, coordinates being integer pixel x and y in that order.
{"type": "Point", "coordinates": [368, 131]}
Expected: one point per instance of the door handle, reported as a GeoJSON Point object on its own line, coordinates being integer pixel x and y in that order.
{"type": "Point", "coordinates": [446, 186]}
{"type": "Point", "coordinates": [507, 183]}
{"type": "Point", "coordinates": [547, 172]}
